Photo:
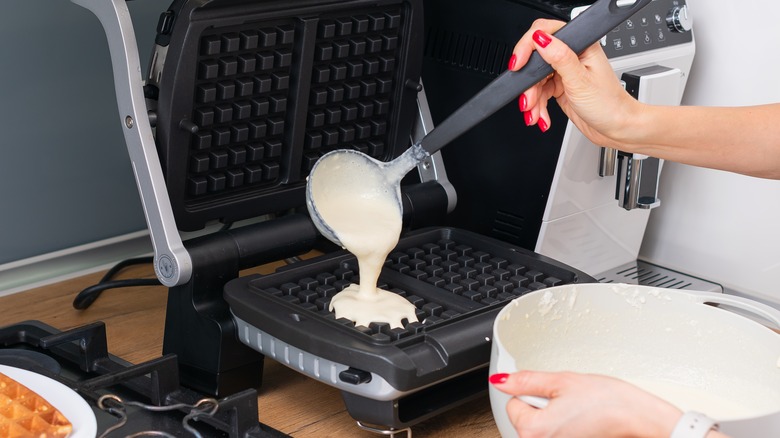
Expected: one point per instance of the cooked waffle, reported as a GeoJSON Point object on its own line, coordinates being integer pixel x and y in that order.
{"type": "Point", "coordinates": [24, 413]}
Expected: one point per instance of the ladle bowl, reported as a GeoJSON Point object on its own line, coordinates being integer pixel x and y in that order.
{"type": "Point", "coordinates": [353, 174]}
{"type": "Point", "coordinates": [338, 170]}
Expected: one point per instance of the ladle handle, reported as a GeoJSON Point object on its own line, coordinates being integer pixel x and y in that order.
{"type": "Point", "coordinates": [579, 34]}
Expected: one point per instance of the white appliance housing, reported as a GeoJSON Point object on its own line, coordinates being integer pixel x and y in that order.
{"type": "Point", "coordinates": [713, 224]}
{"type": "Point", "coordinates": [583, 224]}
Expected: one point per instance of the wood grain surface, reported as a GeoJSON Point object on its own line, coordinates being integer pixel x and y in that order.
{"type": "Point", "coordinates": [288, 401]}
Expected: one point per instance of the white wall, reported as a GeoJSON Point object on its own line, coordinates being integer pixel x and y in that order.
{"type": "Point", "coordinates": [719, 226]}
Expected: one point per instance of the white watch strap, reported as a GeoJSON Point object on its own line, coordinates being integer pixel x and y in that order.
{"type": "Point", "coordinates": [693, 425]}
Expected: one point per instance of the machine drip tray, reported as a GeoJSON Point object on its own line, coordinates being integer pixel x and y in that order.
{"type": "Point", "coordinates": [648, 274]}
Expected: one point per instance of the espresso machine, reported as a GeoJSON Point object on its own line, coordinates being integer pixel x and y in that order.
{"type": "Point", "coordinates": [557, 193]}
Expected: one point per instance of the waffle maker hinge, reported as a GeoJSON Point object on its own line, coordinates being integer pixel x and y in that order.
{"type": "Point", "coordinates": [199, 327]}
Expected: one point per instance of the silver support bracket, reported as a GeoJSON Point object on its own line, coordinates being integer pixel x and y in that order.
{"type": "Point", "coordinates": [432, 168]}
{"type": "Point", "coordinates": [172, 262]}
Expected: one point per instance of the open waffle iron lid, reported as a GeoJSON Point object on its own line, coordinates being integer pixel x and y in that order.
{"type": "Point", "coordinates": [247, 95]}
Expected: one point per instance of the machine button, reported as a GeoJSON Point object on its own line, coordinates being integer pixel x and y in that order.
{"type": "Point", "coordinates": [678, 19]}
{"type": "Point", "coordinates": [354, 376]}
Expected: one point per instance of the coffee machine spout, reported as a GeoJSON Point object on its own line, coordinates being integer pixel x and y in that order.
{"type": "Point", "coordinates": [637, 181]}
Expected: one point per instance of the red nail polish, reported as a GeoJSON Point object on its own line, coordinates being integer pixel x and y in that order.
{"type": "Point", "coordinates": [542, 38]}
{"type": "Point", "coordinates": [529, 118]}
{"type": "Point", "coordinates": [523, 102]}
{"type": "Point", "coordinates": [543, 125]}
{"type": "Point", "coordinates": [512, 62]}
{"type": "Point", "coordinates": [498, 378]}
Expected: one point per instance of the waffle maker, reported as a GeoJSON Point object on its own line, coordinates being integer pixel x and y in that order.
{"type": "Point", "coordinates": [242, 97]}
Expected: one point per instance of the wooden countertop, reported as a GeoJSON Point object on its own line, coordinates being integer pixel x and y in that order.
{"type": "Point", "coordinates": [288, 401]}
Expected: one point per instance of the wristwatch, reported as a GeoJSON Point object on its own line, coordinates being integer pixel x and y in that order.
{"type": "Point", "coordinates": [693, 425]}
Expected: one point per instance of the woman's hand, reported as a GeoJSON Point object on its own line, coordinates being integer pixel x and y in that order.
{"type": "Point", "coordinates": [584, 405]}
{"type": "Point", "coordinates": [585, 87]}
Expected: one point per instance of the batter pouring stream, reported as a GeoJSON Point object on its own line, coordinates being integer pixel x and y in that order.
{"type": "Point", "coordinates": [362, 210]}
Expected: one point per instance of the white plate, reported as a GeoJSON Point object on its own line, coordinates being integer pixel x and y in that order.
{"type": "Point", "coordinates": [66, 400]}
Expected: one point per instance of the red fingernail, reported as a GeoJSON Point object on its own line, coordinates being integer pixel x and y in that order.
{"type": "Point", "coordinates": [498, 378]}
{"type": "Point", "coordinates": [512, 62]}
{"type": "Point", "coordinates": [523, 102]}
{"type": "Point", "coordinates": [543, 125]}
{"type": "Point", "coordinates": [542, 38]}
{"type": "Point", "coordinates": [529, 118]}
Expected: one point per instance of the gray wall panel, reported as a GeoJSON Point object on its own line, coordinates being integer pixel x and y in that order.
{"type": "Point", "coordinates": [65, 176]}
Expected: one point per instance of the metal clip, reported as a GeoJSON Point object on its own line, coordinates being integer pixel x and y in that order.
{"type": "Point", "coordinates": [114, 405]}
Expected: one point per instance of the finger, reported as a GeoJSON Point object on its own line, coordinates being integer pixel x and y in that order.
{"type": "Point", "coordinates": [533, 103]}
{"type": "Point", "coordinates": [530, 383]}
{"type": "Point", "coordinates": [544, 122]}
{"type": "Point", "coordinates": [525, 46]}
{"type": "Point", "coordinates": [530, 97]}
{"type": "Point", "coordinates": [548, 91]}
{"type": "Point", "coordinates": [564, 61]}
{"type": "Point", "coordinates": [522, 415]}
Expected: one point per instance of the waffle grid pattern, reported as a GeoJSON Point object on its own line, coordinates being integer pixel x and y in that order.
{"type": "Point", "coordinates": [355, 61]}
{"type": "Point", "coordinates": [444, 279]}
{"type": "Point", "coordinates": [242, 96]}
{"type": "Point", "coordinates": [24, 413]}
{"type": "Point", "coordinates": [246, 98]}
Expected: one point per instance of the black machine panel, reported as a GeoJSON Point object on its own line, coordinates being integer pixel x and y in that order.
{"type": "Point", "coordinates": [501, 169]}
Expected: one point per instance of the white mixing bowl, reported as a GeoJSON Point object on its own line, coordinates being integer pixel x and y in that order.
{"type": "Point", "coordinates": [670, 342]}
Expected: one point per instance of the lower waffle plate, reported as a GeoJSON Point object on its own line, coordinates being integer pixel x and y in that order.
{"type": "Point", "coordinates": [458, 280]}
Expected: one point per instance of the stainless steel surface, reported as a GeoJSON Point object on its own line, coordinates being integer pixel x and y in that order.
{"type": "Point", "coordinates": [638, 182]}
{"type": "Point", "coordinates": [607, 161]}
{"type": "Point", "coordinates": [431, 168]}
{"type": "Point", "coordinates": [648, 274]}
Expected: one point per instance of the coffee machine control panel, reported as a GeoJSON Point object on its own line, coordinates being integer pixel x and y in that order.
{"type": "Point", "coordinates": [662, 23]}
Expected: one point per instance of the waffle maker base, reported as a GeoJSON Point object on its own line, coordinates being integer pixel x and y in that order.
{"type": "Point", "coordinates": [395, 377]}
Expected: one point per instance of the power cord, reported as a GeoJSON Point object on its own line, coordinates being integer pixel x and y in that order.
{"type": "Point", "coordinates": [86, 297]}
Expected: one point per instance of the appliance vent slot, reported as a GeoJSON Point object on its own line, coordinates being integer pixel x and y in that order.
{"type": "Point", "coordinates": [647, 274]}
{"type": "Point", "coordinates": [469, 52]}
{"type": "Point", "coordinates": [650, 277]}
{"type": "Point", "coordinates": [508, 225]}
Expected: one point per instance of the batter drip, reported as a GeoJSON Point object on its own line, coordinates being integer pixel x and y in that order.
{"type": "Point", "coordinates": [365, 216]}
